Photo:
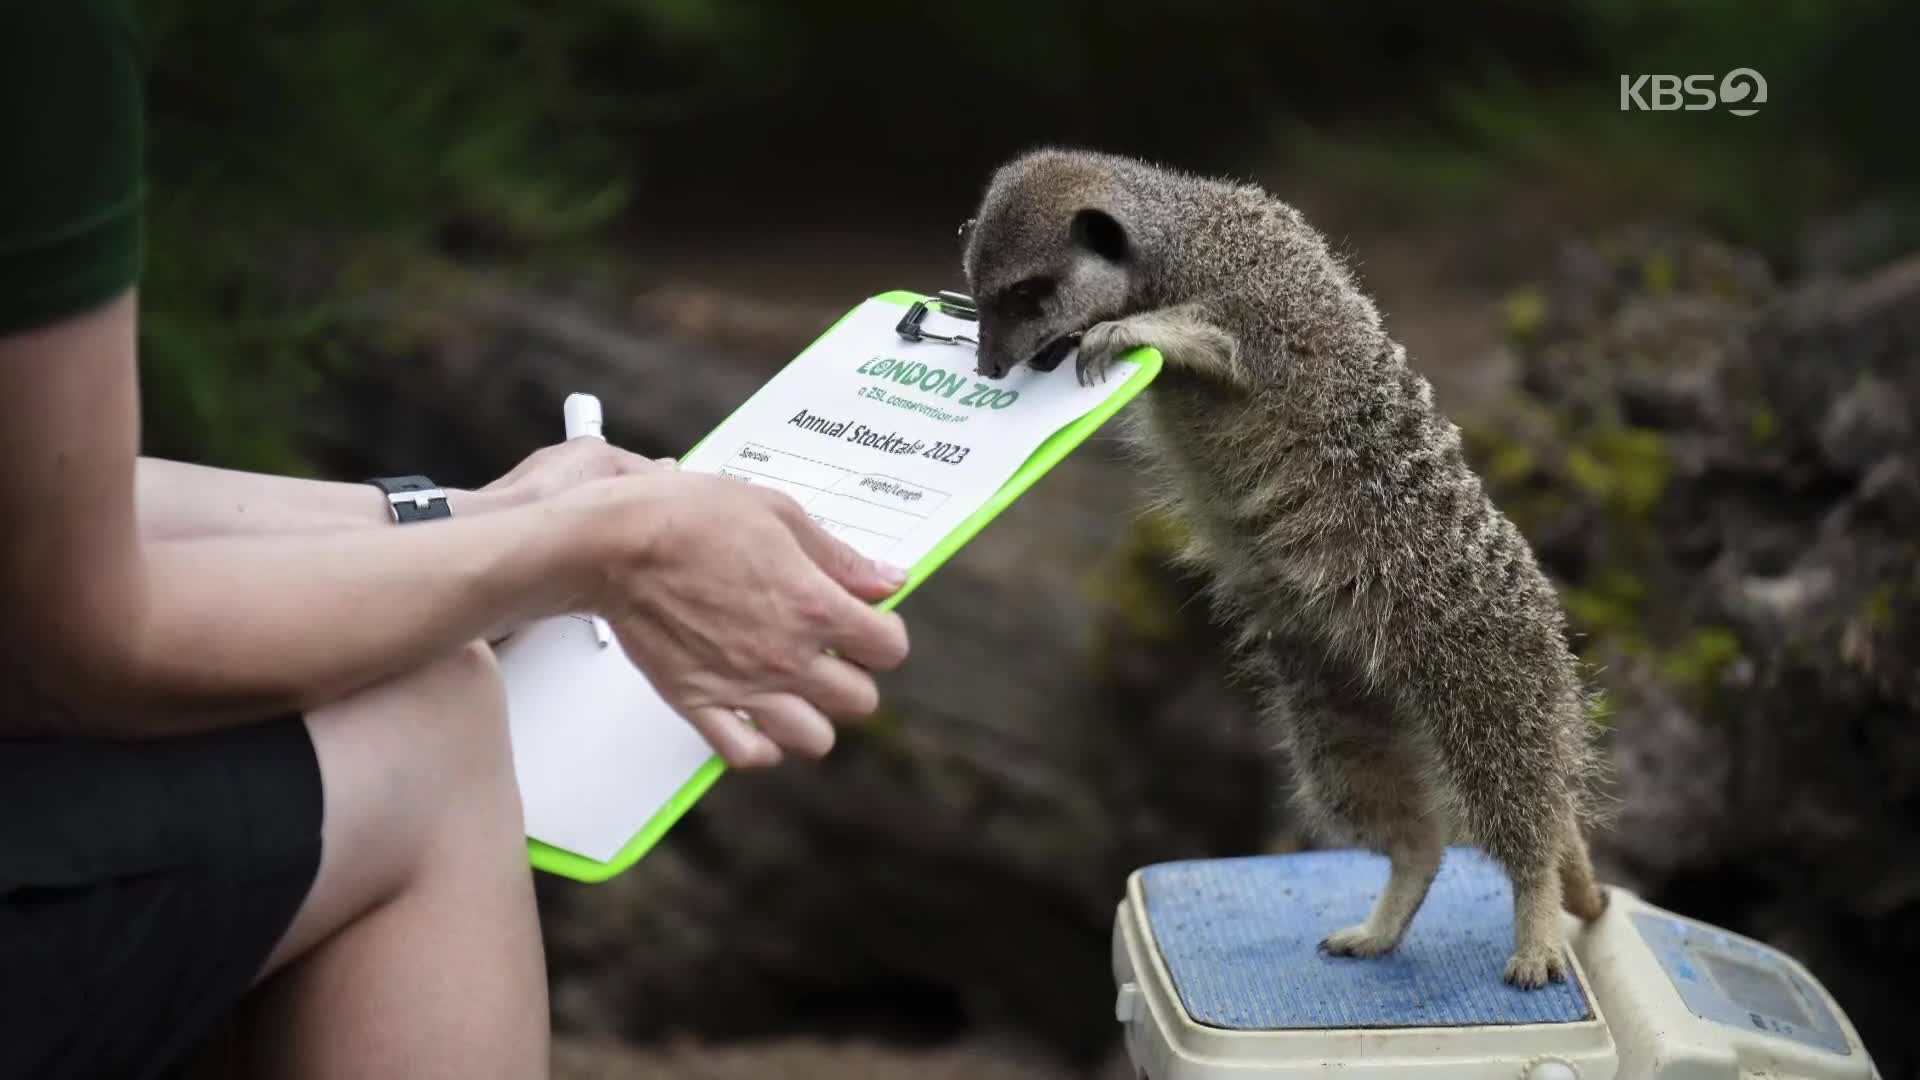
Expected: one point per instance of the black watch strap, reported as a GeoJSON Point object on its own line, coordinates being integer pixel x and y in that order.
{"type": "Point", "coordinates": [413, 498]}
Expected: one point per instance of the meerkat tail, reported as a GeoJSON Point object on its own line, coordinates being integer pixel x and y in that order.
{"type": "Point", "coordinates": [1580, 891]}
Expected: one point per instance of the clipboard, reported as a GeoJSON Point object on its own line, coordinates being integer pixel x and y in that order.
{"type": "Point", "coordinates": [915, 308]}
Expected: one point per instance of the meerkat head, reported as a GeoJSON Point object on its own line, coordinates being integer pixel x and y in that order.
{"type": "Point", "coordinates": [1047, 255]}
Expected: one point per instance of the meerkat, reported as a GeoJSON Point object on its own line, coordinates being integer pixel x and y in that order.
{"type": "Point", "coordinates": [1406, 645]}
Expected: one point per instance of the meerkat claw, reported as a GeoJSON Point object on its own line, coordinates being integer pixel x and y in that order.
{"type": "Point", "coordinates": [1099, 348]}
{"type": "Point", "coordinates": [1534, 972]}
{"type": "Point", "coordinates": [1357, 941]}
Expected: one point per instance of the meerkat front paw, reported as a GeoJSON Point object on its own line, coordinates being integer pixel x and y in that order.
{"type": "Point", "coordinates": [1358, 941]}
{"type": "Point", "coordinates": [1533, 971]}
{"type": "Point", "coordinates": [1100, 347]}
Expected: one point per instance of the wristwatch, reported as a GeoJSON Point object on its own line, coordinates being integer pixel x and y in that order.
{"type": "Point", "coordinates": [413, 498]}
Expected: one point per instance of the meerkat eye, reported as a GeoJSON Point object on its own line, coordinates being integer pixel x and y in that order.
{"type": "Point", "coordinates": [1023, 298]}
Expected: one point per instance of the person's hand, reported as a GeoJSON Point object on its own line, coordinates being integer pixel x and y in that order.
{"type": "Point", "coordinates": [552, 470]}
{"type": "Point", "coordinates": [729, 597]}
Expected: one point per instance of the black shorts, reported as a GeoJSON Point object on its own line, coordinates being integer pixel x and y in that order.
{"type": "Point", "coordinates": [142, 886]}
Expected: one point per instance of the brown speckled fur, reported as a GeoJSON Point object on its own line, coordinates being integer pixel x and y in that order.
{"type": "Point", "coordinates": [1408, 647]}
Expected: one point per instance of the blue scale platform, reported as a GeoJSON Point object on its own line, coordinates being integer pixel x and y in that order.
{"type": "Point", "coordinates": [1241, 938]}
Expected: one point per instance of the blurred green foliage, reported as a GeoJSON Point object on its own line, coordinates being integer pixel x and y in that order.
{"type": "Point", "coordinates": [1433, 105]}
{"type": "Point", "coordinates": [301, 154]}
{"type": "Point", "coordinates": [304, 156]}
{"type": "Point", "coordinates": [1831, 130]}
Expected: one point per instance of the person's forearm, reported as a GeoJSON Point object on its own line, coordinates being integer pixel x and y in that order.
{"type": "Point", "coordinates": [243, 625]}
{"type": "Point", "coordinates": [177, 500]}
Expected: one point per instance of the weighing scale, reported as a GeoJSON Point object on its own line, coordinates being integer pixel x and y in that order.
{"type": "Point", "coordinates": [1220, 977]}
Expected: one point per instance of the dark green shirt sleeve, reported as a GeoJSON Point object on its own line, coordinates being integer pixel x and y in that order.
{"type": "Point", "coordinates": [72, 182]}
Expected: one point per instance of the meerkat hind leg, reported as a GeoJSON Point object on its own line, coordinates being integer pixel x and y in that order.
{"type": "Point", "coordinates": [1539, 948]}
{"type": "Point", "coordinates": [1356, 780]}
{"type": "Point", "coordinates": [1415, 862]}
{"type": "Point", "coordinates": [1513, 818]}
{"type": "Point", "coordinates": [1539, 893]}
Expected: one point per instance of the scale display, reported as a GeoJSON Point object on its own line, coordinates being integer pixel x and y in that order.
{"type": "Point", "coordinates": [1728, 980]}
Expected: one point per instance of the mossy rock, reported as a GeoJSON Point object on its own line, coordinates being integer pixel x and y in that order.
{"type": "Point", "coordinates": [1698, 662]}
{"type": "Point", "coordinates": [1132, 583]}
{"type": "Point", "coordinates": [1512, 463]}
{"type": "Point", "coordinates": [1600, 710]}
{"type": "Point", "coordinates": [1876, 611]}
{"type": "Point", "coordinates": [1159, 533]}
{"type": "Point", "coordinates": [881, 733]}
{"type": "Point", "coordinates": [1609, 607]}
{"type": "Point", "coordinates": [1523, 316]}
{"type": "Point", "coordinates": [1532, 512]}
{"type": "Point", "coordinates": [1627, 469]}
{"type": "Point", "coordinates": [1657, 274]}
{"type": "Point", "coordinates": [1503, 458]}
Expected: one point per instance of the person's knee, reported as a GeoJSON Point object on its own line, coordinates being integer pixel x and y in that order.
{"type": "Point", "coordinates": [451, 765]}
{"type": "Point", "coordinates": [471, 751]}
{"type": "Point", "coordinates": [419, 787]}
{"type": "Point", "coordinates": [464, 692]}
{"type": "Point", "coordinates": [465, 680]}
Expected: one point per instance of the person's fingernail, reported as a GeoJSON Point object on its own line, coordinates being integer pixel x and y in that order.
{"type": "Point", "coordinates": [891, 574]}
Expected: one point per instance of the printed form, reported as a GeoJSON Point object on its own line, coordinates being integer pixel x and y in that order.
{"type": "Point", "coordinates": [888, 444]}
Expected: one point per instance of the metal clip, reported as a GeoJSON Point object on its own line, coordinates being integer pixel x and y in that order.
{"type": "Point", "coordinates": [958, 305]}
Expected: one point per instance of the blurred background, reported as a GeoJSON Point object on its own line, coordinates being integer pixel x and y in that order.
{"type": "Point", "coordinates": [1684, 347]}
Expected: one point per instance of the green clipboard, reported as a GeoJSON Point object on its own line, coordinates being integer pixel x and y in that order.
{"type": "Point", "coordinates": [570, 864]}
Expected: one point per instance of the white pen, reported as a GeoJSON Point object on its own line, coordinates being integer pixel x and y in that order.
{"type": "Point", "coordinates": [582, 412]}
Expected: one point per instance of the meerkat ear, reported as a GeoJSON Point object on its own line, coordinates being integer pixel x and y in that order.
{"type": "Point", "coordinates": [1100, 233]}
{"type": "Point", "coordinates": [964, 234]}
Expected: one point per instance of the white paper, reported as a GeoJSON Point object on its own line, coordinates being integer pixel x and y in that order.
{"type": "Point", "coordinates": [888, 444]}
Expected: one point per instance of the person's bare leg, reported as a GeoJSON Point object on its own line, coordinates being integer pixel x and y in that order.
{"type": "Point", "coordinates": [417, 953]}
